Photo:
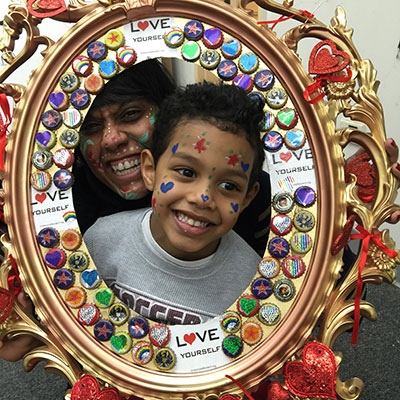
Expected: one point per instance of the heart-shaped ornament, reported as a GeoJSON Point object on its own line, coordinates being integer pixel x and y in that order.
{"type": "Point", "coordinates": [46, 8]}
{"type": "Point", "coordinates": [6, 303]}
{"type": "Point", "coordinates": [343, 237]}
{"type": "Point", "coordinates": [87, 388]}
{"type": "Point", "coordinates": [276, 391]}
{"type": "Point", "coordinates": [322, 61]}
{"type": "Point", "coordinates": [315, 375]}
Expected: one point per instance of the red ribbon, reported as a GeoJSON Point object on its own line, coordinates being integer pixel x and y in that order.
{"type": "Point", "coordinates": [365, 236]}
{"type": "Point", "coordinates": [241, 387]}
{"type": "Point", "coordinates": [14, 281]}
{"type": "Point", "coordinates": [318, 85]}
{"type": "Point", "coordinates": [5, 107]}
{"type": "Point", "coordinates": [283, 18]}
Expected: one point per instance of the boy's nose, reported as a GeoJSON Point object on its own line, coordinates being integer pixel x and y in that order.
{"type": "Point", "coordinates": [202, 198]}
{"type": "Point", "coordinates": [113, 138]}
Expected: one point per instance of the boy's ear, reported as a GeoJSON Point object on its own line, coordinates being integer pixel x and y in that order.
{"type": "Point", "coordinates": [250, 196]}
{"type": "Point", "coordinates": [148, 169]}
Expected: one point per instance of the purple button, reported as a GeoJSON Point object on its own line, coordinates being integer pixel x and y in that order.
{"type": "Point", "coordinates": [304, 196]}
{"type": "Point", "coordinates": [244, 81]}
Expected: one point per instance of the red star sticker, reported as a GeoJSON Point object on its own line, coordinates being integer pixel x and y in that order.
{"type": "Point", "coordinates": [63, 278]}
{"type": "Point", "coordinates": [79, 97]}
{"type": "Point", "coordinates": [227, 68]}
{"type": "Point", "coordinates": [62, 178]}
{"type": "Point", "coordinates": [95, 50]}
{"type": "Point", "coordinates": [113, 38]}
{"type": "Point", "coordinates": [47, 237]}
{"type": "Point", "coordinates": [233, 159]}
{"type": "Point", "coordinates": [263, 79]}
{"type": "Point", "coordinates": [272, 139]}
{"type": "Point", "coordinates": [49, 119]}
{"type": "Point", "coordinates": [74, 297]}
{"type": "Point", "coordinates": [279, 247]}
{"type": "Point", "coordinates": [200, 146]}
{"type": "Point", "coordinates": [103, 330]}
{"type": "Point", "coordinates": [262, 289]}
{"type": "Point", "coordinates": [193, 28]}
{"type": "Point", "coordinates": [251, 333]}
{"type": "Point", "coordinates": [138, 328]}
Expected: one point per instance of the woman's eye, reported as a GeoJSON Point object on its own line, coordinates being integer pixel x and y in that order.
{"type": "Point", "coordinates": [131, 114]}
{"type": "Point", "coordinates": [230, 187]}
{"type": "Point", "coordinates": [186, 172]}
{"type": "Point", "coordinates": [89, 128]}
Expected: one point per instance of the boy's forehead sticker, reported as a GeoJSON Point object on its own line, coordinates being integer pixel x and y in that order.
{"type": "Point", "coordinates": [202, 143]}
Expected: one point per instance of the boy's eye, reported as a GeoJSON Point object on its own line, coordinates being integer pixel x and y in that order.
{"type": "Point", "coordinates": [230, 187]}
{"type": "Point", "coordinates": [186, 172]}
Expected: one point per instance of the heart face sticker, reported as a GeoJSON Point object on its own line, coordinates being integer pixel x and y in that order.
{"type": "Point", "coordinates": [166, 187]}
{"type": "Point", "coordinates": [318, 368]}
{"type": "Point", "coordinates": [323, 61]}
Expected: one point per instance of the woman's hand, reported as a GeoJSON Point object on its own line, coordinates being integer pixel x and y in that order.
{"type": "Point", "coordinates": [15, 349]}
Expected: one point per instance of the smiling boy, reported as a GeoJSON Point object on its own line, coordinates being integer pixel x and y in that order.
{"type": "Point", "coordinates": [180, 262]}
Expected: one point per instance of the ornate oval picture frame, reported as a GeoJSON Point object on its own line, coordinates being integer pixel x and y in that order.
{"type": "Point", "coordinates": [317, 197]}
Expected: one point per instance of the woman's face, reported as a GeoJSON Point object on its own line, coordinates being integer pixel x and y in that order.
{"type": "Point", "coordinates": [112, 138]}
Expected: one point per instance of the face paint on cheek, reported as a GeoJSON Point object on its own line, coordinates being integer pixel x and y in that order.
{"type": "Point", "coordinates": [90, 155]}
{"type": "Point", "coordinates": [166, 187]}
{"type": "Point", "coordinates": [233, 158]}
{"type": "Point", "coordinates": [235, 208]}
{"type": "Point", "coordinates": [126, 194]}
{"type": "Point", "coordinates": [152, 118]}
{"type": "Point", "coordinates": [142, 140]}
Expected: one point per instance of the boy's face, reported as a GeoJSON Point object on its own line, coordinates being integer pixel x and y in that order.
{"type": "Point", "coordinates": [200, 186]}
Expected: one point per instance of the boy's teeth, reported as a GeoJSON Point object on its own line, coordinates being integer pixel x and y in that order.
{"type": "Point", "coordinates": [126, 167]}
{"type": "Point", "coordinates": [190, 221]}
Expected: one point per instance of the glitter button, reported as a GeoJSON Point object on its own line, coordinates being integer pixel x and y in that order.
{"type": "Point", "coordinates": [164, 359]}
{"type": "Point", "coordinates": [278, 247]}
{"type": "Point", "coordinates": [88, 314]}
{"type": "Point", "coordinates": [118, 313]}
{"type": "Point", "coordinates": [251, 333]}
{"type": "Point", "coordinates": [261, 288]}
{"type": "Point", "coordinates": [209, 59]}
{"type": "Point", "coordinates": [63, 179]}
{"type": "Point", "coordinates": [276, 98]}
{"type": "Point", "coordinates": [269, 314]}
{"type": "Point", "coordinates": [48, 237]}
{"type": "Point", "coordinates": [283, 202]}
{"type": "Point", "coordinates": [174, 37]}
{"type": "Point", "coordinates": [304, 196]}
{"type": "Point", "coordinates": [90, 279]}
{"type": "Point", "coordinates": [231, 48]}
{"type": "Point", "coordinates": [121, 343]}
{"type": "Point", "coordinates": [293, 266]}
{"type": "Point", "coordinates": [281, 224]}
{"type": "Point", "coordinates": [304, 221]}
{"type": "Point", "coordinates": [284, 290]}
{"type": "Point", "coordinates": [269, 267]}
{"type": "Point", "coordinates": [212, 38]}
{"type": "Point", "coordinates": [71, 239]}
{"type": "Point", "coordinates": [193, 30]}
{"type": "Point", "coordinates": [227, 70]}
{"type": "Point", "coordinates": [63, 278]}
{"type": "Point", "coordinates": [247, 305]}
{"type": "Point", "coordinates": [96, 50]}
{"type": "Point", "coordinates": [104, 298]}
{"type": "Point", "coordinates": [40, 180]}
{"type": "Point", "coordinates": [69, 82]}
{"type": "Point", "coordinates": [264, 80]}
{"type": "Point", "coordinates": [142, 353]}
{"type": "Point", "coordinates": [272, 141]}
{"type": "Point", "coordinates": [230, 321]}
{"type": "Point", "coordinates": [78, 261]}
{"type": "Point", "coordinates": [63, 158]}
{"type": "Point", "coordinates": [75, 297]}
{"type": "Point", "coordinates": [232, 346]}
{"type": "Point", "coordinates": [42, 159]}
{"type": "Point", "coordinates": [82, 65]}
{"type": "Point", "coordinates": [301, 242]}
{"type": "Point", "coordinates": [55, 258]}
{"type": "Point", "coordinates": [103, 330]}
{"type": "Point", "coordinates": [138, 327]}
{"type": "Point", "coordinates": [69, 138]}
{"type": "Point", "coordinates": [159, 335]}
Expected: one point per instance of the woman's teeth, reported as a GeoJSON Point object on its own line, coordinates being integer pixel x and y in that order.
{"type": "Point", "coordinates": [125, 167]}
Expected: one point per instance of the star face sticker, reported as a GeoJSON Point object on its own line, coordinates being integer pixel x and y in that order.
{"type": "Point", "coordinates": [233, 159]}
{"type": "Point", "coordinates": [200, 145]}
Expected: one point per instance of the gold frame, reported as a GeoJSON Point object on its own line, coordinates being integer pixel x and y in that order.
{"type": "Point", "coordinates": [320, 302]}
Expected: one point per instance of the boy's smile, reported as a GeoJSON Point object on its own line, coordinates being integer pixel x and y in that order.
{"type": "Point", "coordinates": [200, 187]}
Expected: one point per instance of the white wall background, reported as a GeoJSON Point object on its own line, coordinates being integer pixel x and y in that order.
{"type": "Point", "coordinates": [376, 36]}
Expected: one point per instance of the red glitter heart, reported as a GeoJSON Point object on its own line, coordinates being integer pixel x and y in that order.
{"type": "Point", "coordinates": [6, 303]}
{"type": "Point", "coordinates": [277, 392]}
{"type": "Point", "coordinates": [46, 8]}
{"type": "Point", "coordinates": [366, 174]}
{"type": "Point", "coordinates": [87, 388]}
{"type": "Point", "coordinates": [323, 61]}
{"type": "Point", "coordinates": [343, 238]}
{"type": "Point", "coordinates": [315, 375]}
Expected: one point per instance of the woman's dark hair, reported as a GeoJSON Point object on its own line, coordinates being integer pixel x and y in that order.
{"type": "Point", "coordinates": [148, 79]}
{"type": "Point", "coordinates": [226, 106]}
